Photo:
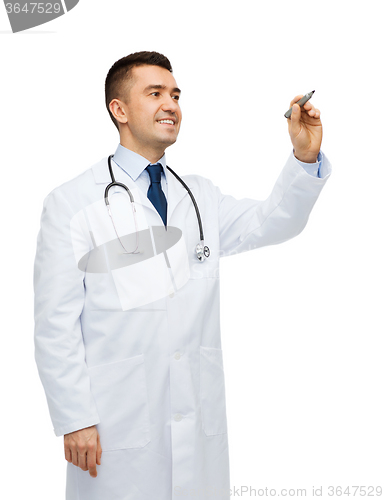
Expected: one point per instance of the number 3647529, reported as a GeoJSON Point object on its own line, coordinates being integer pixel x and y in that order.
{"type": "Point", "coordinates": [32, 7]}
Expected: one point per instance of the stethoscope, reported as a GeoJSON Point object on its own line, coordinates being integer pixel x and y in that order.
{"type": "Point", "coordinates": [202, 250]}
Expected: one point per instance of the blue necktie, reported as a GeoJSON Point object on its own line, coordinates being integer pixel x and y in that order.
{"type": "Point", "coordinates": [155, 194]}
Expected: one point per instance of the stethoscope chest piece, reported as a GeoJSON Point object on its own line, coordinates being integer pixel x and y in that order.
{"type": "Point", "coordinates": [202, 252]}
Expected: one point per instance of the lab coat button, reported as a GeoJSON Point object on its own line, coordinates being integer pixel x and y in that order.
{"type": "Point", "coordinates": [178, 417]}
{"type": "Point", "coordinates": [171, 294]}
{"type": "Point", "coordinates": [177, 355]}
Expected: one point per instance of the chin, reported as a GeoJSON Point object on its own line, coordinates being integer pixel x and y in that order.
{"type": "Point", "coordinates": [168, 141]}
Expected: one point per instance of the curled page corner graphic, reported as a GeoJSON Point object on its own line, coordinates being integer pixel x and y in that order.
{"type": "Point", "coordinates": [70, 4]}
{"type": "Point", "coordinates": [23, 14]}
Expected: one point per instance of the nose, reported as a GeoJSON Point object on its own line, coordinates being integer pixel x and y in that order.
{"type": "Point", "coordinates": [170, 105]}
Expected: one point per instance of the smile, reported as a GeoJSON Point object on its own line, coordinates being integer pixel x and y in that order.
{"type": "Point", "coordinates": [170, 122]}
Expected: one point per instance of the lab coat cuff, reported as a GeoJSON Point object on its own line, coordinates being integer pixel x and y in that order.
{"type": "Point", "coordinates": [75, 426]}
{"type": "Point", "coordinates": [321, 168]}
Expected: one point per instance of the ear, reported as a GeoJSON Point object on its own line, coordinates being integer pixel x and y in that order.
{"type": "Point", "coordinates": [118, 110]}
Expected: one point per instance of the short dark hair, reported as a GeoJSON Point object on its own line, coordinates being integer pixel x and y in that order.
{"type": "Point", "coordinates": [121, 71]}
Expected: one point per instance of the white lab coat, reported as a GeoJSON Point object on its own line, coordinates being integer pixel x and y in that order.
{"type": "Point", "coordinates": [150, 376]}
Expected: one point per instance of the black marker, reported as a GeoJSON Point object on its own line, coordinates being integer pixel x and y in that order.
{"type": "Point", "coordinates": [301, 103]}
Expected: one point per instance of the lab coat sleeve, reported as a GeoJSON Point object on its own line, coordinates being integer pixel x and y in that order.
{"type": "Point", "coordinates": [59, 299]}
{"type": "Point", "coordinates": [247, 224]}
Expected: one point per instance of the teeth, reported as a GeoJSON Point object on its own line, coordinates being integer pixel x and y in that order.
{"type": "Point", "coordinates": [167, 121]}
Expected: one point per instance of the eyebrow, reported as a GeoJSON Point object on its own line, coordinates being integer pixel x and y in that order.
{"type": "Point", "coordinates": [161, 87]}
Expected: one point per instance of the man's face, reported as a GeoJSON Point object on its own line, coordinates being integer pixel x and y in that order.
{"type": "Point", "coordinates": [152, 109]}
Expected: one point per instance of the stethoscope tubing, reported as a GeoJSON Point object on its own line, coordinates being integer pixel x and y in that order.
{"type": "Point", "coordinates": [200, 249]}
{"type": "Point", "coordinates": [114, 183]}
{"type": "Point", "coordinates": [193, 201]}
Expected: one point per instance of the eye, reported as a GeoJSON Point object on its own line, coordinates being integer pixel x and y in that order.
{"type": "Point", "coordinates": [155, 93]}
{"type": "Point", "coordinates": [176, 97]}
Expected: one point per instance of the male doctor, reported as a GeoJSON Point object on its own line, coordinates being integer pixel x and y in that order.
{"type": "Point", "coordinates": [127, 318]}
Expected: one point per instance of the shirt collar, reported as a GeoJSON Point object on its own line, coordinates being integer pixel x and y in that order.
{"type": "Point", "coordinates": [134, 164]}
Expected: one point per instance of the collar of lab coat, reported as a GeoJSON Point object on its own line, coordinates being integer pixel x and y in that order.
{"type": "Point", "coordinates": [176, 191]}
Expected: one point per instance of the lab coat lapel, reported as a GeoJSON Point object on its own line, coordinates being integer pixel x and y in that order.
{"type": "Point", "coordinates": [176, 192]}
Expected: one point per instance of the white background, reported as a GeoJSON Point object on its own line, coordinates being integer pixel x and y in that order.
{"type": "Point", "coordinates": [301, 322]}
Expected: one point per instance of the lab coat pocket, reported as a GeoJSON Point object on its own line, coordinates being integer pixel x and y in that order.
{"type": "Point", "coordinates": [120, 393]}
{"type": "Point", "coordinates": [212, 391]}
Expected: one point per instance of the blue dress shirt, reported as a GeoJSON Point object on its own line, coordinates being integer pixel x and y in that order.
{"type": "Point", "coordinates": [134, 165]}
{"type": "Point", "coordinates": [313, 169]}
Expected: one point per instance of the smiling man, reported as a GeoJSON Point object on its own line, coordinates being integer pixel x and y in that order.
{"type": "Point", "coordinates": [129, 352]}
